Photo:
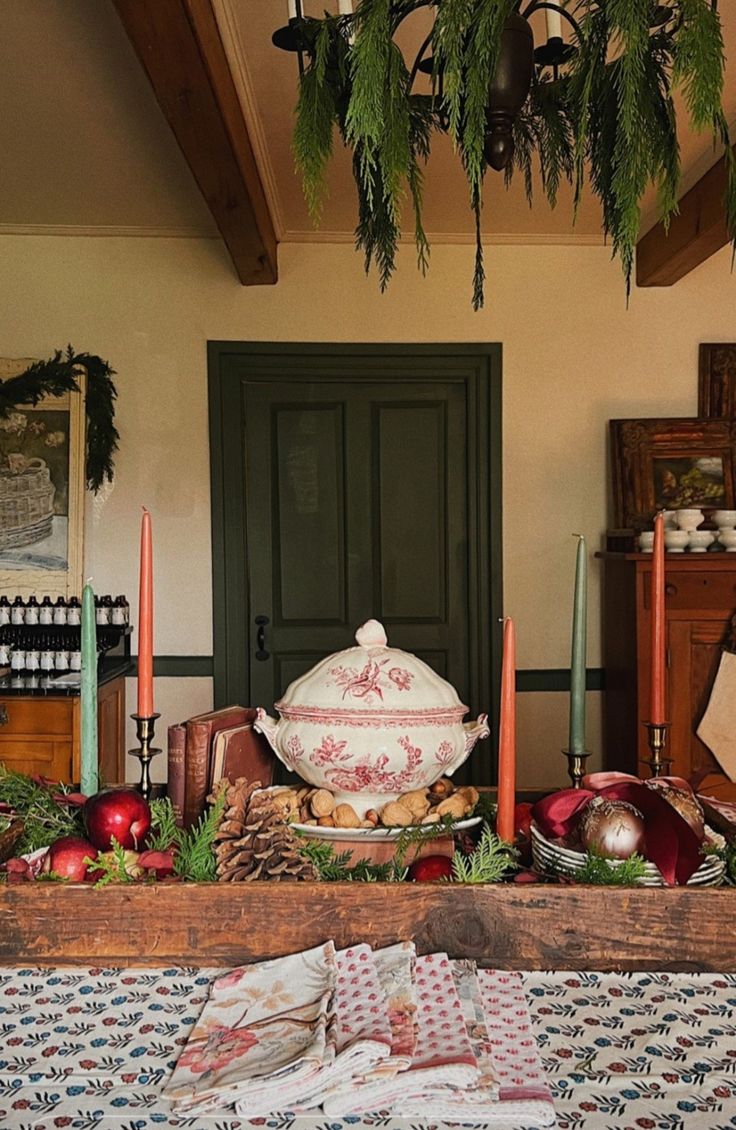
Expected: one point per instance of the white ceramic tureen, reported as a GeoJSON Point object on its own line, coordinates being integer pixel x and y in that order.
{"type": "Point", "coordinates": [370, 723]}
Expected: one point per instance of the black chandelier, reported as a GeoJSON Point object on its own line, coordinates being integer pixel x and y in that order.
{"type": "Point", "coordinates": [518, 58]}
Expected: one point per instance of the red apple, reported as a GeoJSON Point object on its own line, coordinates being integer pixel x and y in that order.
{"type": "Point", "coordinates": [66, 857]}
{"type": "Point", "coordinates": [122, 813]}
{"type": "Point", "coordinates": [431, 868]}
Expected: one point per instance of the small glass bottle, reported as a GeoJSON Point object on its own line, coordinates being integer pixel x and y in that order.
{"type": "Point", "coordinates": [60, 611]}
{"type": "Point", "coordinates": [33, 656]}
{"type": "Point", "coordinates": [74, 612]}
{"type": "Point", "coordinates": [4, 610]}
{"type": "Point", "coordinates": [18, 659]}
{"type": "Point", "coordinates": [32, 611]}
{"type": "Point", "coordinates": [61, 656]}
{"type": "Point", "coordinates": [47, 656]}
{"type": "Point", "coordinates": [75, 655]}
{"type": "Point", "coordinates": [118, 616]}
{"type": "Point", "coordinates": [18, 611]}
{"type": "Point", "coordinates": [5, 652]}
{"type": "Point", "coordinates": [102, 611]}
{"type": "Point", "coordinates": [46, 611]}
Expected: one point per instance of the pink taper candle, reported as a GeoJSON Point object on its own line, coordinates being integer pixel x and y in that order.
{"type": "Point", "coordinates": [507, 736]}
{"type": "Point", "coordinates": [145, 621]}
{"type": "Point", "coordinates": [657, 669]}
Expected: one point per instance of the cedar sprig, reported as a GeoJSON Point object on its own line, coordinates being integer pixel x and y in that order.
{"type": "Point", "coordinates": [194, 857]}
{"type": "Point", "coordinates": [111, 866]}
{"type": "Point", "coordinates": [600, 872]}
{"type": "Point", "coordinates": [492, 860]}
{"type": "Point", "coordinates": [164, 833]}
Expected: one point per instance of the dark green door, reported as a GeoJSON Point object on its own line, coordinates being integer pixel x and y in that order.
{"type": "Point", "coordinates": [349, 486]}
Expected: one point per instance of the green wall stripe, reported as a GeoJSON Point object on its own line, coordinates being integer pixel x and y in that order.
{"type": "Point", "coordinates": [541, 679]}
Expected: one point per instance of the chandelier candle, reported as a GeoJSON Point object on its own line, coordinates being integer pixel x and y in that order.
{"type": "Point", "coordinates": [89, 781]}
{"type": "Point", "coordinates": [507, 736]}
{"type": "Point", "coordinates": [554, 23]}
{"type": "Point", "coordinates": [145, 621]}
{"type": "Point", "coordinates": [578, 659]}
{"type": "Point", "coordinates": [657, 669]}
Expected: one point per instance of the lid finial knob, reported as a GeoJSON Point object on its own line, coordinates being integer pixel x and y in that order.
{"type": "Point", "coordinates": [371, 634]}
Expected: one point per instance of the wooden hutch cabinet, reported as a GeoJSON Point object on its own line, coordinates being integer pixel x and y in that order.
{"type": "Point", "coordinates": [39, 733]}
{"type": "Point", "coordinates": [700, 601]}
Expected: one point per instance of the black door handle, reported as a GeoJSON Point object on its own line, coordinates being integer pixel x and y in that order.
{"type": "Point", "coordinates": [261, 652]}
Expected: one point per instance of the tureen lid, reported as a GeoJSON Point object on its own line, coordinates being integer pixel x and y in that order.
{"type": "Point", "coordinates": [372, 676]}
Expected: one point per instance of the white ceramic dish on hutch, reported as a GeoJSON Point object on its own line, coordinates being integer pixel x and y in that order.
{"type": "Point", "coordinates": [370, 723]}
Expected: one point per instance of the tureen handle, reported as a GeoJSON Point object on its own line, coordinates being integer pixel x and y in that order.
{"type": "Point", "coordinates": [371, 634]}
{"type": "Point", "coordinates": [268, 727]}
{"type": "Point", "coordinates": [474, 731]}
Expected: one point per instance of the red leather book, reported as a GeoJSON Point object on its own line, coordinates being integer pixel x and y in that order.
{"type": "Point", "coordinates": [200, 731]}
{"type": "Point", "coordinates": [176, 751]}
{"type": "Point", "coordinates": [241, 752]}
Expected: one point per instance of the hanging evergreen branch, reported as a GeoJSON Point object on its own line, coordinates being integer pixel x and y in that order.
{"type": "Point", "coordinates": [60, 375]}
{"type": "Point", "coordinates": [609, 120]}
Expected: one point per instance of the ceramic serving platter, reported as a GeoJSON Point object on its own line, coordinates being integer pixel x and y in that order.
{"type": "Point", "coordinates": [554, 859]}
{"type": "Point", "coordinates": [317, 833]}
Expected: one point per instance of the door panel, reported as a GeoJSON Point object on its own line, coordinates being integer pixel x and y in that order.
{"type": "Point", "coordinates": [351, 482]}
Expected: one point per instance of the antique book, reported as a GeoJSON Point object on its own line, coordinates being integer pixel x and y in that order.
{"type": "Point", "coordinates": [200, 733]}
{"type": "Point", "coordinates": [176, 751]}
{"type": "Point", "coordinates": [241, 752]}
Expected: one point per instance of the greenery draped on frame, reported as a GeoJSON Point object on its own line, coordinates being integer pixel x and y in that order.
{"type": "Point", "coordinates": [609, 117]}
{"type": "Point", "coordinates": [59, 375]}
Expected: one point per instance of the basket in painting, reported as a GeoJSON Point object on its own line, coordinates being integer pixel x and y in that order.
{"type": "Point", "coordinates": [552, 858]}
{"type": "Point", "coordinates": [26, 503]}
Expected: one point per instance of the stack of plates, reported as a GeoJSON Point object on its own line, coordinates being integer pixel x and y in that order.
{"type": "Point", "coordinates": [553, 859]}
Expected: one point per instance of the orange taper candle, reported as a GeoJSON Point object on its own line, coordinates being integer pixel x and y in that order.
{"type": "Point", "coordinates": [657, 669]}
{"type": "Point", "coordinates": [145, 621]}
{"type": "Point", "coordinates": [507, 736]}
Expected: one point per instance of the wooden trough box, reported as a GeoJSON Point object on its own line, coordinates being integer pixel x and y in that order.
{"type": "Point", "coordinates": [504, 926]}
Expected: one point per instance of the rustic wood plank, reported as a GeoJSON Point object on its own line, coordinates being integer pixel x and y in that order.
{"type": "Point", "coordinates": [505, 926]}
{"type": "Point", "coordinates": [697, 232]}
{"type": "Point", "coordinates": [179, 45]}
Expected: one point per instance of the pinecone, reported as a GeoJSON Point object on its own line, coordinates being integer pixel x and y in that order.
{"type": "Point", "coordinates": [253, 840]}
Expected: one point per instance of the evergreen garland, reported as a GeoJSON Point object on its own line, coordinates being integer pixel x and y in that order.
{"type": "Point", "coordinates": [609, 118]}
{"type": "Point", "coordinates": [59, 375]}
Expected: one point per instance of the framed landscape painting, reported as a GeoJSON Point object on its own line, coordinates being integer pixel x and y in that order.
{"type": "Point", "coordinates": [671, 464]}
{"type": "Point", "coordinates": [717, 380]}
{"type": "Point", "coordinates": [42, 494]}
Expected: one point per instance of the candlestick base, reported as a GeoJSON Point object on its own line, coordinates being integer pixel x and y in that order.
{"type": "Point", "coordinates": [657, 740]}
{"type": "Point", "coordinates": [576, 766]}
{"type": "Point", "coordinates": [144, 728]}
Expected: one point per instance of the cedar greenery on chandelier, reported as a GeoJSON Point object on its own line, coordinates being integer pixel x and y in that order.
{"type": "Point", "coordinates": [593, 104]}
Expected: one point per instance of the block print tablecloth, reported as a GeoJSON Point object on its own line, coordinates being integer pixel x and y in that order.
{"type": "Point", "coordinates": [92, 1048]}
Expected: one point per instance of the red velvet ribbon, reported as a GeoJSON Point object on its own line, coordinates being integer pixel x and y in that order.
{"type": "Point", "coordinates": [670, 842]}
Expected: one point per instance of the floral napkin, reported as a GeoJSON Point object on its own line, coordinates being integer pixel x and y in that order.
{"type": "Point", "coordinates": [262, 1023]}
{"type": "Point", "coordinates": [360, 1034]}
{"type": "Point", "coordinates": [443, 1054]}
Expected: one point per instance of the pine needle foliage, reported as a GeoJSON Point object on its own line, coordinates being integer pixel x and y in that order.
{"type": "Point", "coordinates": [599, 872]}
{"type": "Point", "coordinates": [46, 819]}
{"type": "Point", "coordinates": [608, 121]}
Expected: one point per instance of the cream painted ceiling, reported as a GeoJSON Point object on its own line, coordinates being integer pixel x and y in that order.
{"type": "Point", "coordinates": [86, 148]}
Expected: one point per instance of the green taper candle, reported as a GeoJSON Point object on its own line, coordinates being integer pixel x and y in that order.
{"type": "Point", "coordinates": [578, 660]}
{"type": "Point", "coordinates": [89, 780]}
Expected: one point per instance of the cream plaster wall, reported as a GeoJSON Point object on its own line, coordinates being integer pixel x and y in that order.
{"type": "Point", "coordinates": [574, 356]}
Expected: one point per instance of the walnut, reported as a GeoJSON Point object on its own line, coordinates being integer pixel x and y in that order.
{"type": "Point", "coordinates": [470, 795]}
{"type": "Point", "coordinates": [285, 801]}
{"type": "Point", "coordinates": [431, 818]}
{"type": "Point", "coordinates": [372, 817]}
{"type": "Point", "coordinates": [322, 803]}
{"type": "Point", "coordinates": [454, 806]}
{"type": "Point", "coordinates": [326, 822]}
{"type": "Point", "coordinates": [395, 815]}
{"type": "Point", "coordinates": [345, 816]}
{"type": "Point", "coordinates": [416, 801]}
{"type": "Point", "coordinates": [441, 789]}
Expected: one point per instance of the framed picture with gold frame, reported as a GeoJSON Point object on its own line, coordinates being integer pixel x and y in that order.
{"type": "Point", "coordinates": [42, 484]}
{"type": "Point", "coordinates": [717, 380]}
{"type": "Point", "coordinates": [671, 464]}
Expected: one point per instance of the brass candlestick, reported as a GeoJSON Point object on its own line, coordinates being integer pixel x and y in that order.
{"type": "Point", "coordinates": [576, 766]}
{"type": "Point", "coordinates": [657, 739]}
{"type": "Point", "coordinates": [144, 727]}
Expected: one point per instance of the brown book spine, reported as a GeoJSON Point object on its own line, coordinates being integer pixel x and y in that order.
{"type": "Point", "coordinates": [199, 735]}
{"type": "Point", "coordinates": [176, 749]}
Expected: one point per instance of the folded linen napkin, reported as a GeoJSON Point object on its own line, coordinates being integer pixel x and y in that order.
{"type": "Point", "coordinates": [267, 1021]}
{"type": "Point", "coordinates": [361, 1035]}
{"type": "Point", "coordinates": [443, 1054]}
{"type": "Point", "coordinates": [524, 1095]}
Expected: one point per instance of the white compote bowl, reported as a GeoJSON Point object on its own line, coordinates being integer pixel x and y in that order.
{"type": "Point", "coordinates": [676, 540]}
{"type": "Point", "coordinates": [699, 540]}
{"type": "Point", "coordinates": [689, 519]}
{"type": "Point", "coordinates": [646, 541]}
{"type": "Point", "coordinates": [728, 538]}
{"type": "Point", "coordinates": [725, 519]}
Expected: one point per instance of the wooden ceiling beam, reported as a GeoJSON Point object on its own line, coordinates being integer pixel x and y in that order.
{"type": "Point", "coordinates": [179, 44]}
{"type": "Point", "coordinates": [695, 233]}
